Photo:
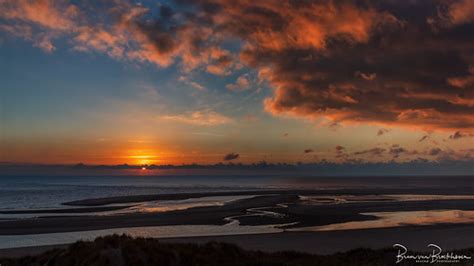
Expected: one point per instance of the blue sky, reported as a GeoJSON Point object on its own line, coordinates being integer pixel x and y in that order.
{"type": "Point", "coordinates": [149, 83]}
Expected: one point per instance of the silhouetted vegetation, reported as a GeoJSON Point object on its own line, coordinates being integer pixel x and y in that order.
{"type": "Point", "coordinates": [123, 250]}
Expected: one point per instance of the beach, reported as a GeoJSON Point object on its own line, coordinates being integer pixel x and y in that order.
{"type": "Point", "coordinates": [271, 219]}
{"type": "Point", "coordinates": [283, 207]}
{"type": "Point", "coordinates": [415, 238]}
{"type": "Point", "coordinates": [301, 220]}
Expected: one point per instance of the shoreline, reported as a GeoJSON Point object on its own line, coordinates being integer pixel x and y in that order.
{"type": "Point", "coordinates": [415, 238]}
{"type": "Point", "coordinates": [94, 202]}
{"type": "Point", "coordinates": [291, 211]}
{"type": "Point", "coordinates": [286, 204]}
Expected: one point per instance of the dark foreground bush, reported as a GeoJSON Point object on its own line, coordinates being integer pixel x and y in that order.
{"type": "Point", "coordinates": [123, 250]}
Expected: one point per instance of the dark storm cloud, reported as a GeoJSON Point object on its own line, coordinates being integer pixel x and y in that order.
{"type": "Point", "coordinates": [396, 151]}
{"type": "Point", "coordinates": [407, 63]}
{"type": "Point", "coordinates": [458, 135]}
{"type": "Point", "coordinates": [382, 131]}
{"type": "Point", "coordinates": [339, 148]}
{"type": "Point", "coordinates": [435, 151]}
{"type": "Point", "coordinates": [373, 152]}
{"type": "Point", "coordinates": [341, 152]}
{"type": "Point", "coordinates": [231, 156]}
{"type": "Point", "coordinates": [424, 138]}
{"type": "Point", "coordinates": [402, 63]}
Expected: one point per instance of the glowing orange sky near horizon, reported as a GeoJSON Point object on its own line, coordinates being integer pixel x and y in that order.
{"type": "Point", "coordinates": [294, 147]}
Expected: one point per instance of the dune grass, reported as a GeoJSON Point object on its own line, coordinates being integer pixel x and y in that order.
{"type": "Point", "coordinates": [124, 250]}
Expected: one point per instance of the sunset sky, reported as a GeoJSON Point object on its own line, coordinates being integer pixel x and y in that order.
{"type": "Point", "coordinates": [191, 81]}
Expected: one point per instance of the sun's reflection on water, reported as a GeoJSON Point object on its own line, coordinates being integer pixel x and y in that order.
{"type": "Point", "coordinates": [402, 218]}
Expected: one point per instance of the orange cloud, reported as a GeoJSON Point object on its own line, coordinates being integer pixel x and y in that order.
{"type": "Point", "coordinates": [125, 35]}
{"type": "Point", "coordinates": [307, 25]}
{"type": "Point", "coordinates": [53, 14]}
{"type": "Point", "coordinates": [200, 118]}
{"type": "Point", "coordinates": [242, 83]}
{"type": "Point", "coordinates": [219, 61]}
{"type": "Point", "coordinates": [460, 12]}
{"type": "Point", "coordinates": [101, 40]}
{"type": "Point", "coordinates": [318, 81]}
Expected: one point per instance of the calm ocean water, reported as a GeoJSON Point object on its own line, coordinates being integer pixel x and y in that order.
{"type": "Point", "coordinates": [31, 192]}
{"type": "Point", "coordinates": [34, 192]}
{"type": "Point", "coordinates": [37, 192]}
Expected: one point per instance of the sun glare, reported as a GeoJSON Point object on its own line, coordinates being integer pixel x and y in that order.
{"type": "Point", "coordinates": [143, 159]}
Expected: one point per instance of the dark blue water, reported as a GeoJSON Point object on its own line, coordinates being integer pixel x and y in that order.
{"type": "Point", "coordinates": [33, 192]}
{"type": "Point", "coordinates": [30, 192]}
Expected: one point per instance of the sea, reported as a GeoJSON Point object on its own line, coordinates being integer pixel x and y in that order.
{"type": "Point", "coordinates": [50, 192]}
{"type": "Point", "coordinates": [41, 192]}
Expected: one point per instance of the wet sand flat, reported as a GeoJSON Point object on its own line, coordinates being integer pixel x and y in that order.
{"type": "Point", "coordinates": [449, 237]}
{"type": "Point", "coordinates": [415, 238]}
{"type": "Point", "coordinates": [292, 212]}
{"type": "Point", "coordinates": [310, 192]}
{"type": "Point", "coordinates": [287, 204]}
